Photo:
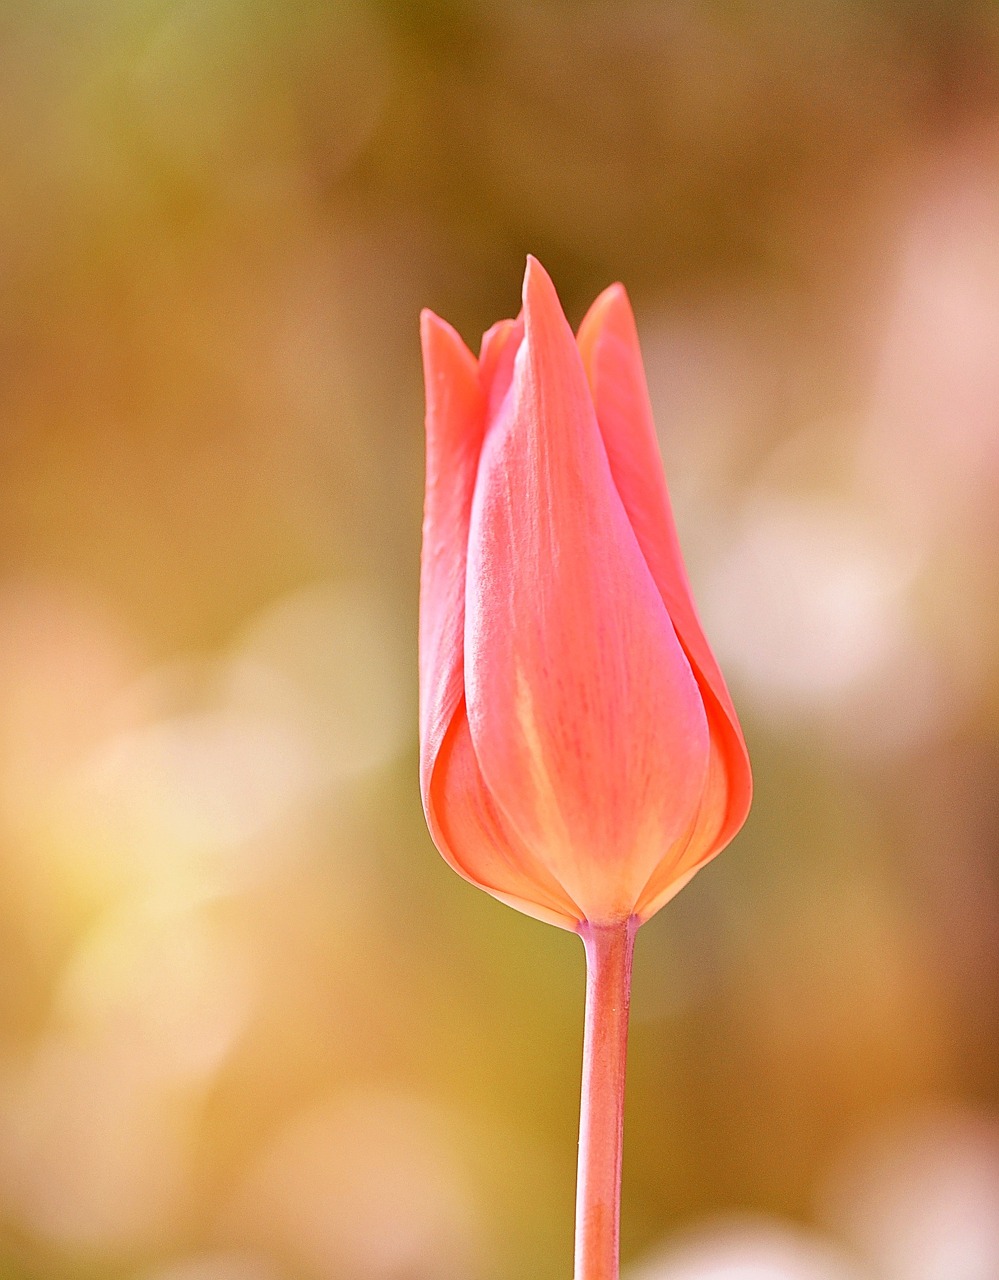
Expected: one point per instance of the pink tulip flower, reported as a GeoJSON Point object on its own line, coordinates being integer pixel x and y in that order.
{"type": "Point", "coordinates": [580, 757]}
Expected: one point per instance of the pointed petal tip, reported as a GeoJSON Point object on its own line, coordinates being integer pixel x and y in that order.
{"type": "Point", "coordinates": [542, 306]}
{"type": "Point", "coordinates": [442, 344]}
{"type": "Point", "coordinates": [432, 328]}
{"type": "Point", "coordinates": [536, 279]}
{"type": "Point", "coordinates": [612, 307]}
{"type": "Point", "coordinates": [609, 316]}
{"type": "Point", "coordinates": [431, 325]}
{"type": "Point", "coordinates": [615, 300]}
{"type": "Point", "coordinates": [614, 293]}
{"type": "Point", "coordinates": [494, 334]}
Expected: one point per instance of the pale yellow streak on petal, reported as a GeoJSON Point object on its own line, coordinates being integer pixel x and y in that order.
{"type": "Point", "coordinates": [546, 800]}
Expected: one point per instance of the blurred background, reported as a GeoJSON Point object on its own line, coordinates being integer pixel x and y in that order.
{"type": "Point", "coordinates": [251, 1026]}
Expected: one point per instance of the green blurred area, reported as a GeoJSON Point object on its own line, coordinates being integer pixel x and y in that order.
{"type": "Point", "coordinates": [251, 1026]}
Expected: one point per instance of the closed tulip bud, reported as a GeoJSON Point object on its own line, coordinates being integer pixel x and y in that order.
{"type": "Point", "coordinates": [580, 757]}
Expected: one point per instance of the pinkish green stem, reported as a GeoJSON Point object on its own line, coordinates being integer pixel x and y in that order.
{"type": "Point", "coordinates": [609, 949]}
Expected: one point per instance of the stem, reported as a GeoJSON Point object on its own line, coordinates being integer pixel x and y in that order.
{"type": "Point", "coordinates": [609, 949]}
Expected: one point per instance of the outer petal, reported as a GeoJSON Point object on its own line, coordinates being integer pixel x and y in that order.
{"type": "Point", "coordinates": [704, 841]}
{"type": "Point", "coordinates": [608, 344]}
{"type": "Point", "coordinates": [460, 813]}
{"type": "Point", "coordinates": [585, 717]}
{"type": "Point", "coordinates": [455, 427]}
{"type": "Point", "coordinates": [475, 840]}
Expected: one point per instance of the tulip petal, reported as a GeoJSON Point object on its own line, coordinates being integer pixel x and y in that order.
{"type": "Point", "coordinates": [473, 838]}
{"type": "Point", "coordinates": [455, 427]}
{"type": "Point", "coordinates": [462, 818]}
{"type": "Point", "coordinates": [496, 359]}
{"type": "Point", "coordinates": [704, 840]}
{"type": "Point", "coordinates": [608, 344]}
{"type": "Point", "coordinates": [585, 716]}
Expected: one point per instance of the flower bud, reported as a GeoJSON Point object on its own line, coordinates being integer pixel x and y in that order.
{"type": "Point", "coordinates": [580, 757]}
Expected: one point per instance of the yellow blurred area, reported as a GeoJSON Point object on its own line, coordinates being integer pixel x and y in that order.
{"type": "Point", "coordinates": [251, 1027]}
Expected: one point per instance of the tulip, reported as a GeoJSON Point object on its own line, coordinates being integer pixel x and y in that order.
{"type": "Point", "coordinates": [580, 757]}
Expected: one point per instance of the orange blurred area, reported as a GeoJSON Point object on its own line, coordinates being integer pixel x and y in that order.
{"type": "Point", "coordinates": [251, 1026]}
